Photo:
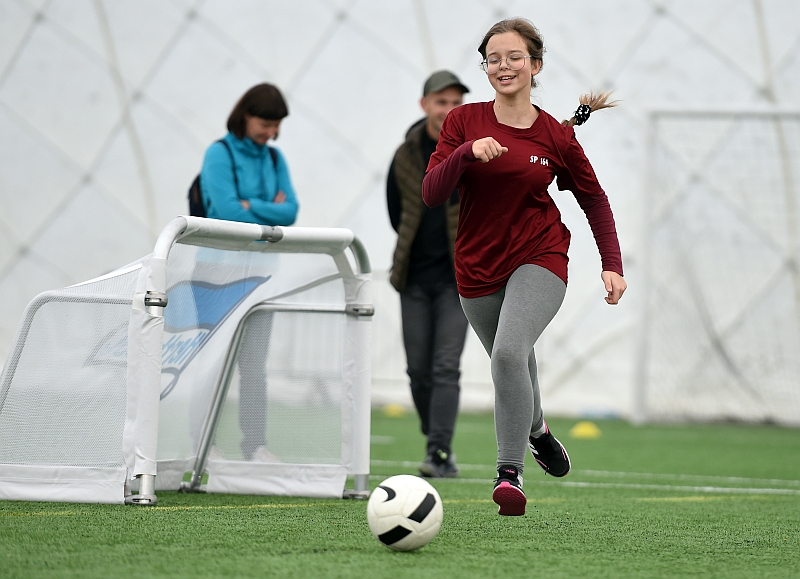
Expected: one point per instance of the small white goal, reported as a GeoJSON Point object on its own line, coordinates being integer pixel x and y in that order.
{"type": "Point", "coordinates": [234, 358]}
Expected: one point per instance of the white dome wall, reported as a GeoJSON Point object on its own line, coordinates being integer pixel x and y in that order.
{"type": "Point", "coordinates": [106, 108]}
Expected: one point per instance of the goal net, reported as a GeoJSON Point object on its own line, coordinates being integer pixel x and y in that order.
{"type": "Point", "coordinates": [721, 325]}
{"type": "Point", "coordinates": [235, 358]}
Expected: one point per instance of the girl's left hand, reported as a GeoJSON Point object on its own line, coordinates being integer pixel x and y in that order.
{"type": "Point", "coordinates": [615, 286]}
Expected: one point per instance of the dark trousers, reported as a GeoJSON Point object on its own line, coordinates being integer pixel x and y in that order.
{"type": "Point", "coordinates": [434, 330]}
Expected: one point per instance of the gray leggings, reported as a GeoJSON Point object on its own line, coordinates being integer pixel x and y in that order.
{"type": "Point", "coordinates": [508, 323]}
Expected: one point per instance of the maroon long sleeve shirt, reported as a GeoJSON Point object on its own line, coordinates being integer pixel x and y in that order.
{"type": "Point", "coordinates": [507, 217]}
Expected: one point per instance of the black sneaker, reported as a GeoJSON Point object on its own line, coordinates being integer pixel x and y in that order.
{"type": "Point", "coordinates": [550, 453]}
{"type": "Point", "coordinates": [439, 464]}
{"type": "Point", "coordinates": [508, 492]}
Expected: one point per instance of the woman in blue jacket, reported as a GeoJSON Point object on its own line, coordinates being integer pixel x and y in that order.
{"type": "Point", "coordinates": [243, 178]}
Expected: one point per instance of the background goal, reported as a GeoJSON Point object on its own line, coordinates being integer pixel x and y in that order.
{"type": "Point", "coordinates": [720, 332]}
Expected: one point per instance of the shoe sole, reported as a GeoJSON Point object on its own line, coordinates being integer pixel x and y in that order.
{"type": "Point", "coordinates": [544, 466]}
{"type": "Point", "coordinates": [429, 471]}
{"type": "Point", "coordinates": [510, 499]}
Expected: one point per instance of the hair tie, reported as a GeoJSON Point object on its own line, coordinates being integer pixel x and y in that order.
{"type": "Point", "coordinates": [582, 114]}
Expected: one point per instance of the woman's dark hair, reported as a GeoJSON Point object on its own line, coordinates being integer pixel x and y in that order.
{"type": "Point", "coordinates": [264, 101]}
{"type": "Point", "coordinates": [529, 33]}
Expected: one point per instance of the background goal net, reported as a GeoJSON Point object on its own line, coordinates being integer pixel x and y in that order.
{"type": "Point", "coordinates": [721, 324]}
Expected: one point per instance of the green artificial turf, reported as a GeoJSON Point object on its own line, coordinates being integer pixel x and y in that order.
{"type": "Point", "coordinates": [654, 501]}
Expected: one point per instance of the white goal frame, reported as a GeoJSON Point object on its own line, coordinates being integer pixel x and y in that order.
{"type": "Point", "coordinates": [750, 396]}
{"type": "Point", "coordinates": [74, 483]}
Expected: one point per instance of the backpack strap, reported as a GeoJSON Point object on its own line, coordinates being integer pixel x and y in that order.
{"type": "Point", "coordinates": [233, 165]}
{"type": "Point", "coordinates": [272, 153]}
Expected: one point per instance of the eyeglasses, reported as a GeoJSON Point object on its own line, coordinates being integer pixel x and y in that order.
{"type": "Point", "coordinates": [514, 62]}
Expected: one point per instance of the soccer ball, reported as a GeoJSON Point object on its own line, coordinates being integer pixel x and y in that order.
{"type": "Point", "coordinates": [404, 512]}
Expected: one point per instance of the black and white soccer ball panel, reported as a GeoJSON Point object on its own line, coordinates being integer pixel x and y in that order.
{"type": "Point", "coordinates": [404, 512]}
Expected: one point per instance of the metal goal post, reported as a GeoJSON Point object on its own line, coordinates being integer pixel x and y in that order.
{"type": "Point", "coordinates": [234, 358]}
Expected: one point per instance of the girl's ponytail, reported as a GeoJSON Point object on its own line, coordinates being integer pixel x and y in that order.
{"type": "Point", "coordinates": [589, 104]}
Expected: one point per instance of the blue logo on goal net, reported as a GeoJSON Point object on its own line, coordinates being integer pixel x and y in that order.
{"type": "Point", "coordinates": [195, 312]}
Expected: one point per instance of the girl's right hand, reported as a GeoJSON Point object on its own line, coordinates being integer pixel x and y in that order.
{"type": "Point", "coordinates": [487, 148]}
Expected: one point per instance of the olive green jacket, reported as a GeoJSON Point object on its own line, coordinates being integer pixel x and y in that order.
{"type": "Point", "coordinates": [409, 166]}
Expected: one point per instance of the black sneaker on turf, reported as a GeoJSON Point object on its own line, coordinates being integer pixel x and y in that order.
{"type": "Point", "coordinates": [508, 492]}
{"type": "Point", "coordinates": [439, 464]}
{"type": "Point", "coordinates": [550, 453]}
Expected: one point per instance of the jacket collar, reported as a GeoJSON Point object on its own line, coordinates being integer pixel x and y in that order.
{"type": "Point", "coordinates": [246, 146]}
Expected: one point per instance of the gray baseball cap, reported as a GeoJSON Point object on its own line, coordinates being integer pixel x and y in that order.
{"type": "Point", "coordinates": [440, 80]}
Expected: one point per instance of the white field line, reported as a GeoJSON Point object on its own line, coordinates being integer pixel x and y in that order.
{"type": "Point", "coordinates": [634, 475]}
{"type": "Point", "coordinates": [654, 487]}
{"type": "Point", "coordinates": [689, 477]}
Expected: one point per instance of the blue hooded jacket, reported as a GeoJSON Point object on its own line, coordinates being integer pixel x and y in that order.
{"type": "Point", "coordinates": [259, 180]}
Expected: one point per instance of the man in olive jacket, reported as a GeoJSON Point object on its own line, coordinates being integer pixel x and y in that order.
{"type": "Point", "coordinates": [434, 325]}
